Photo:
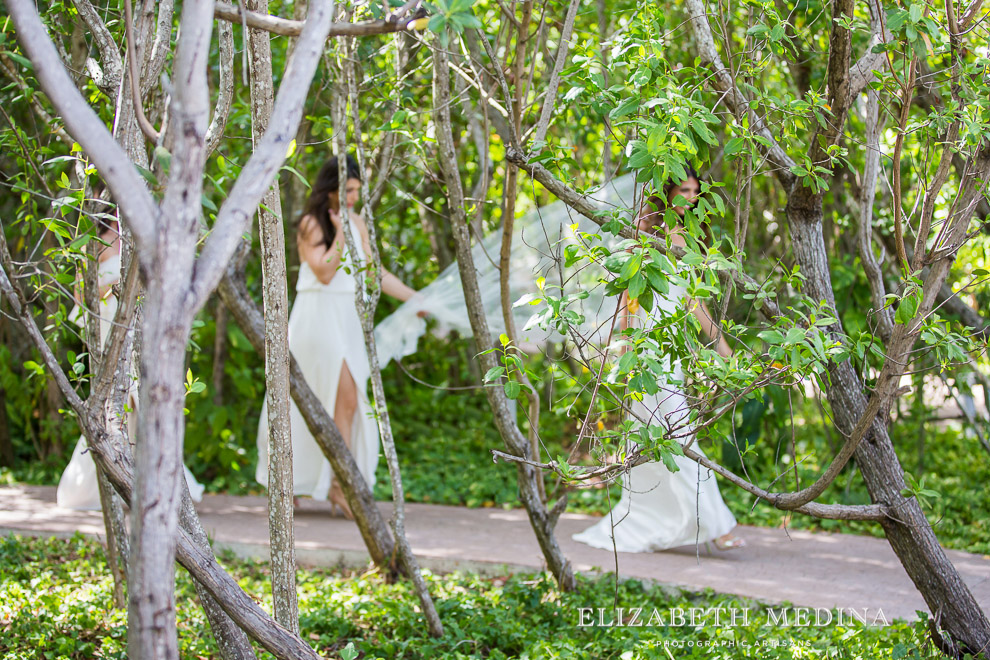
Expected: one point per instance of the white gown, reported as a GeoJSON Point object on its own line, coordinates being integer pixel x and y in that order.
{"type": "Point", "coordinates": [660, 509]}
{"type": "Point", "coordinates": [78, 488]}
{"type": "Point", "coordinates": [324, 333]}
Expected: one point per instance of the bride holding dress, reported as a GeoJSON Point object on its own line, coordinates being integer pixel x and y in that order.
{"type": "Point", "coordinates": [326, 338]}
{"type": "Point", "coordinates": [660, 509]}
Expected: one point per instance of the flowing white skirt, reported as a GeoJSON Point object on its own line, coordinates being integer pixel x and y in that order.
{"type": "Point", "coordinates": [660, 509]}
{"type": "Point", "coordinates": [324, 333]}
{"type": "Point", "coordinates": [78, 488]}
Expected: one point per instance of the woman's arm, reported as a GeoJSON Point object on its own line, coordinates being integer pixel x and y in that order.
{"type": "Point", "coordinates": [391, 285]}
{"type": "Point", "coordinates": [395, 287]}
{"type": "Point", "coordinates": [323, 260]}
{"type": "Point", "coordinates": [624, 316]}
{"type": "Point", "coordinates": [711, 328]}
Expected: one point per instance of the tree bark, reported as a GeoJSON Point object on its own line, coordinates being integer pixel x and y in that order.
{"type": "Point", "coordinates": [541, 520]}
{"type": "Point", "coordinates": [908, 531]}
{"type": "Point", "coordinates": [276, 306]}
{"type": "Point", "coordinates": [110, 504]}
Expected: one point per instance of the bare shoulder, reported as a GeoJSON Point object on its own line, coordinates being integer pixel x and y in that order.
{"type": "Point", "coordinates": [310, 232]}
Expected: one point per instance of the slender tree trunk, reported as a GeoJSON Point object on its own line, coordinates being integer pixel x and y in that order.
{"type": "Point", "coordinates": [543, 521]}
{"type": "Point", "coordinates": [154, 523]}
{"type": "Point", "coordinates": [909, 533]}
{"type": "Point", "coordinates": [110, 504]}
{"type": "Point", "coordinates": [366, 297]}
{"type": "Point", "coordinates": [276, 305]}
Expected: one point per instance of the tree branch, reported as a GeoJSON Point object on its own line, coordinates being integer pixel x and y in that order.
{"type": "Point", "coordinates": [225, 93]}
{"type": "Point", "coordinates": [861, 73]}
{"type": "Point", "coordinates": [550, 100]}
{"type": "Point", "coordinates": [110, 59]}
{"type": "Point", "coordinates": [134, 80]}
{"type": "Point", "coordinates": [235, 215]}
{"type": "Point", "coordinates": [290, 28]}
{"type": "Point", "coordinates": [874, 512]}
{"type": "Point", "coordinates": [115, 167]}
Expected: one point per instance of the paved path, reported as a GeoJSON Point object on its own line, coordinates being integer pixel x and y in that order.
{"type": "Point", "coordinates": [806, 569]}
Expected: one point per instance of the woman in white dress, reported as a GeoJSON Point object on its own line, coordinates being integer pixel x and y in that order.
{"type": "Point", "coordinates": [660, 509]}
{"type": "Point", "coordinates": [78, 487]}
{"type": "Point", "coordinates": [325, 336]}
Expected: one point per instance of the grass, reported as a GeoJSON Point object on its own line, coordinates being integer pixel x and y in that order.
{"type": "Point", "coordinates": [54, 597]}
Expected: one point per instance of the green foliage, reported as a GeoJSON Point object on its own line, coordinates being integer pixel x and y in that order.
{"type": "Point", "coordinates": [944, 458]}
{"type": "Point", "coordinates": [54, 597]}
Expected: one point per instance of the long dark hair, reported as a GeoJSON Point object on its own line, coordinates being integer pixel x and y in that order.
{"type": "Point", "coordinates": [660, 203]}
{"type": "Point", "coordinates": [328, 183]}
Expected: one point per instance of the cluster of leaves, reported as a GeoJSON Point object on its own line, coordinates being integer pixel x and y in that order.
{"type": "Point", "coordinates": [54, 595]}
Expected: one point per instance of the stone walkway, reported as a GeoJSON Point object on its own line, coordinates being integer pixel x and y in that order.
{"type": "Point", "coordinates": [803, 568]}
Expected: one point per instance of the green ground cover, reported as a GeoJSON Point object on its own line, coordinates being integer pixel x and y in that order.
{"type": "Point", "coordinates": [54, 597]}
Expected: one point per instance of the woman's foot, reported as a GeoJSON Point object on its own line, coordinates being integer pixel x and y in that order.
{"type": "Point", "coordinates": [337, 499]}
{"type": "Point", "coordinates": [730, 542]}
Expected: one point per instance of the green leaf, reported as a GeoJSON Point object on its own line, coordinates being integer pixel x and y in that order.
{"type": "Point", "coordinates": [906, 310]}
{"type": "Point", "coordinates": [627, 107]}
{"type": "Point", "coordinates": [20, 59]}
{"type": "Point", "coordinates": [627, 362]}
{"type": "Point", "coordinates": [630, 268]}
{"type": "Point", "coordinates": [771, 337]}
{"type": "Point", "coordinates": [642, 76]}
{"type": "Point", "coordinates": [734, 146]}
{"type": "Point", "coordinates": [512, 389]}
{"type": "Point", "coordinates": [494, 373]}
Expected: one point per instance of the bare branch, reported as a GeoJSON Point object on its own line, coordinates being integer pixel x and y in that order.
{"type": "Point", "coordinates": [225, 94]}
{"type": "Point", "coordinates": [931, 194]}
{"type": "Point", "coordinates": [111, 63]}
{"type": "Point", "coordinates": [861, 73]}
{"type": "Point", "coordinates": [161, 48]}
{"type": "Point", "coordinates": [874, 512]}
{"type": "Point", "coordinates": [289, 28]}
{"type": "Point", "coordinates": [116, 168]}
{"type": "Point", "coordinates": [550, 100]}
{"type": "Point", "coordinates": [504, 418]}
{"type": "Point", "coordinates": [906, 93]}
{"type": "Point", "coordinates": [724, 83]}
{"type": "Point", "coordinates": [134, 81]}
{"type": "Point", "coordinates": [871, 169]}
{"type": "Point", "coordinates": [970, 15]}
